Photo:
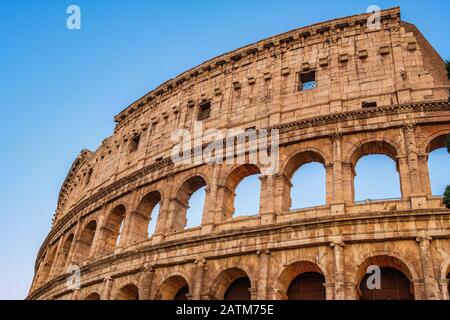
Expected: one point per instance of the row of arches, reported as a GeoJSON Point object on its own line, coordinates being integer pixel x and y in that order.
{"type": "Point", "coordinates": [241, 192]}
{"type": "Point", "coordinates": [301, 280]}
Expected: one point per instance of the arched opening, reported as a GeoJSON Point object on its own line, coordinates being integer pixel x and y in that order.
{"type": "Point", "coordinates": [173, 288]}
{"type": "Point", "coordinates": [93, 296]}
{"type": "Point", "coordinates": [394, 280]}
{"type": "Point", "coordinates": [151, 228]}
{"type": "Point", "coordinates": [182, 294]}
{"type": "Point", "coordinates": [394, 286]}
{"type": "Point", "coordinates": [375, 172]}
{"type": "Point", "coordinates": [128, 292]}
{"type": "Point", "coordinates": [231, 284]}
{"type": "Point", "coordinates": [302, 280]}
{"type": "Point", "coordinates": [111, 230]}
{"type": "Point", "coordinates": [308, 186]}
{"type": "Point", "coordinates": [239, 289]}
{"type": "Point", "coordinates": [244, 186]}
{"type": "Point", "coordinates": [189, 204]}
{"type": "Point", "coordinates": [49, 263]}
{"type": "Point", "coordinates": [84, 244]}
{"type": "Point", "coordinates": [307, 175]}
{"type": "Point", "coordinates": [194, 212]}
{"type": "Point", "coordinates": [65, 253]}
{"type": "Point", "coordinates": [307, 286]}
{"type": "Point", "coordinates": [143, 219]}
{"type": "Point", "coordinates": [438, 164]}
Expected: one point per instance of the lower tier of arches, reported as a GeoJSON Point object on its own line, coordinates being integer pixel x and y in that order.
{"type": "Point", "coordinates": [394, 264]}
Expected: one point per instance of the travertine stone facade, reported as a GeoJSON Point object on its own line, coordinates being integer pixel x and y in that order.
{"type": "Point", "coordinates": [258, 86]}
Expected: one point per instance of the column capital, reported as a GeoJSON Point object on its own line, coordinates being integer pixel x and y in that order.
{"type": "Point", "coordinates": [337, 243]}
{"type": "Point", "coordinates": [409, 127]}
{"type": "Point", "coordinates": [423, 238]}
{"type": "Point", "coordinates": [336, 136]}
{"type": "Point", "coordinates": [262, 251]}
{"type": "Point", "coordinates": [200, 261]}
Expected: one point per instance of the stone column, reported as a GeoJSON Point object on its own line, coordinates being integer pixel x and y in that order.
{"type": "Point", "coordinates": [126, 236]}
{"type": "Point", "coordinates": [210, 213]}
{"type": "Point", "coordinates": [429, 280]}
{"type": "Point", "coordinates": [106, 292]}
{"type": "Point", "coordinates": [424, 174]}
{"type": "Point", "coordinates": [223, 202]}
{"type": "Point", "coordinates": [403, 172]}
{"type": "Point", "coordinates": [443, 283]}
{"type": "Point", "coordinates": [339, 281]}
{"type": "Point", "coordinates": [200, 266]}
{"type": "Point", "coordinates": [411, 153]}
{"type": "Point", "coordinates": [266, 200]}
{"type": "Point", "coordinates": [73, 247]}
{"type": "Point", "coordinates": [329, 291]}
{"type": "Point", "coordinates": [162, 224]}
{"type": "Point", "coordinates": [76, 294]}
{"type": "Point", "coordinates": [348, 177]}
{"type": "Point", "coordinates": [146, 283]}
{"type": "Point", "coordinates": [281, 198]}
{"type": "Point", "coordinates": [338, 180]}
{"type": "Point", "coordinates": [418, 199]}
{"type": "Point", "coordinates": [97, 241]}
{"type": "Point", "coordinates": [264, 260]}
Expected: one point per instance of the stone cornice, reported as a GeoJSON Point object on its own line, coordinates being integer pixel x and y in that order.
{"type": "Point", "coordinates": [287, 127]}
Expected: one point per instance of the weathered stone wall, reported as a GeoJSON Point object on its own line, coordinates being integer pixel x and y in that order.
{"type": "Point", "coordinates": [258, 86]}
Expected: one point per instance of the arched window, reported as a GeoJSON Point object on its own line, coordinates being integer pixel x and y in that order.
{"type": "Point", "coordinates": [307, 175]}
{"type": "Point", "coordinates": [189, 204]}
{"type": "Point", "coordinates": [143, 219]}
{"type": "Point", "coordinates": [375, 172]}
{"type": "Point", "coordinates": [394, 286]}
{"type": "Point", "coordinates": [308, 186]}
{"type": "Point", "coordinates": [438, 165]}
{"type": "Point", "coordinates": [173, 288]}
{"type": "Point", "coordinates": [243, 188]}
{"type": "Point", "coordinates": [128, 292]}
{"type": "Point", "coordinates": [65, 253]}
{"type": "Point", "coordinates": [307, 286]}
{"type": "Point", "coordinates": [84, 244]}
{"type": "Point", "coordinates": [194, 212]}
{"type": "Point", "coordinates": [151, 229]}
{"type": "Point", "coordinates": [246, 201]}
{"type": "Point", "coordinates": [112, 229]}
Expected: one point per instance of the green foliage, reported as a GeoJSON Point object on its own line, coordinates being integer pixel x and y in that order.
{"type": "Point", "coordinates": [446, 199]}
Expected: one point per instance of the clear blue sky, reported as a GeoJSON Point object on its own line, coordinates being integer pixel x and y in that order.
{"type": "Point", "coordinates": [60, 89]}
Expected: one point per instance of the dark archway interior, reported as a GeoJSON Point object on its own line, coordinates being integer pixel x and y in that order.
{"type": "Point", "coordinates": [307, 286]}
{"type": "Point", "coordinates": [239, 289]}
{"type": "Point", "coordinates": [394, 286]}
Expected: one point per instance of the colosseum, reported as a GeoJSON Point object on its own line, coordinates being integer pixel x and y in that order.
{"type": "Point", "coordinates": [335, 92]}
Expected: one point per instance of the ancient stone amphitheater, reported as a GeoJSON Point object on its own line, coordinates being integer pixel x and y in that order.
{"type": "Point", "coordinates": [336, 91]}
